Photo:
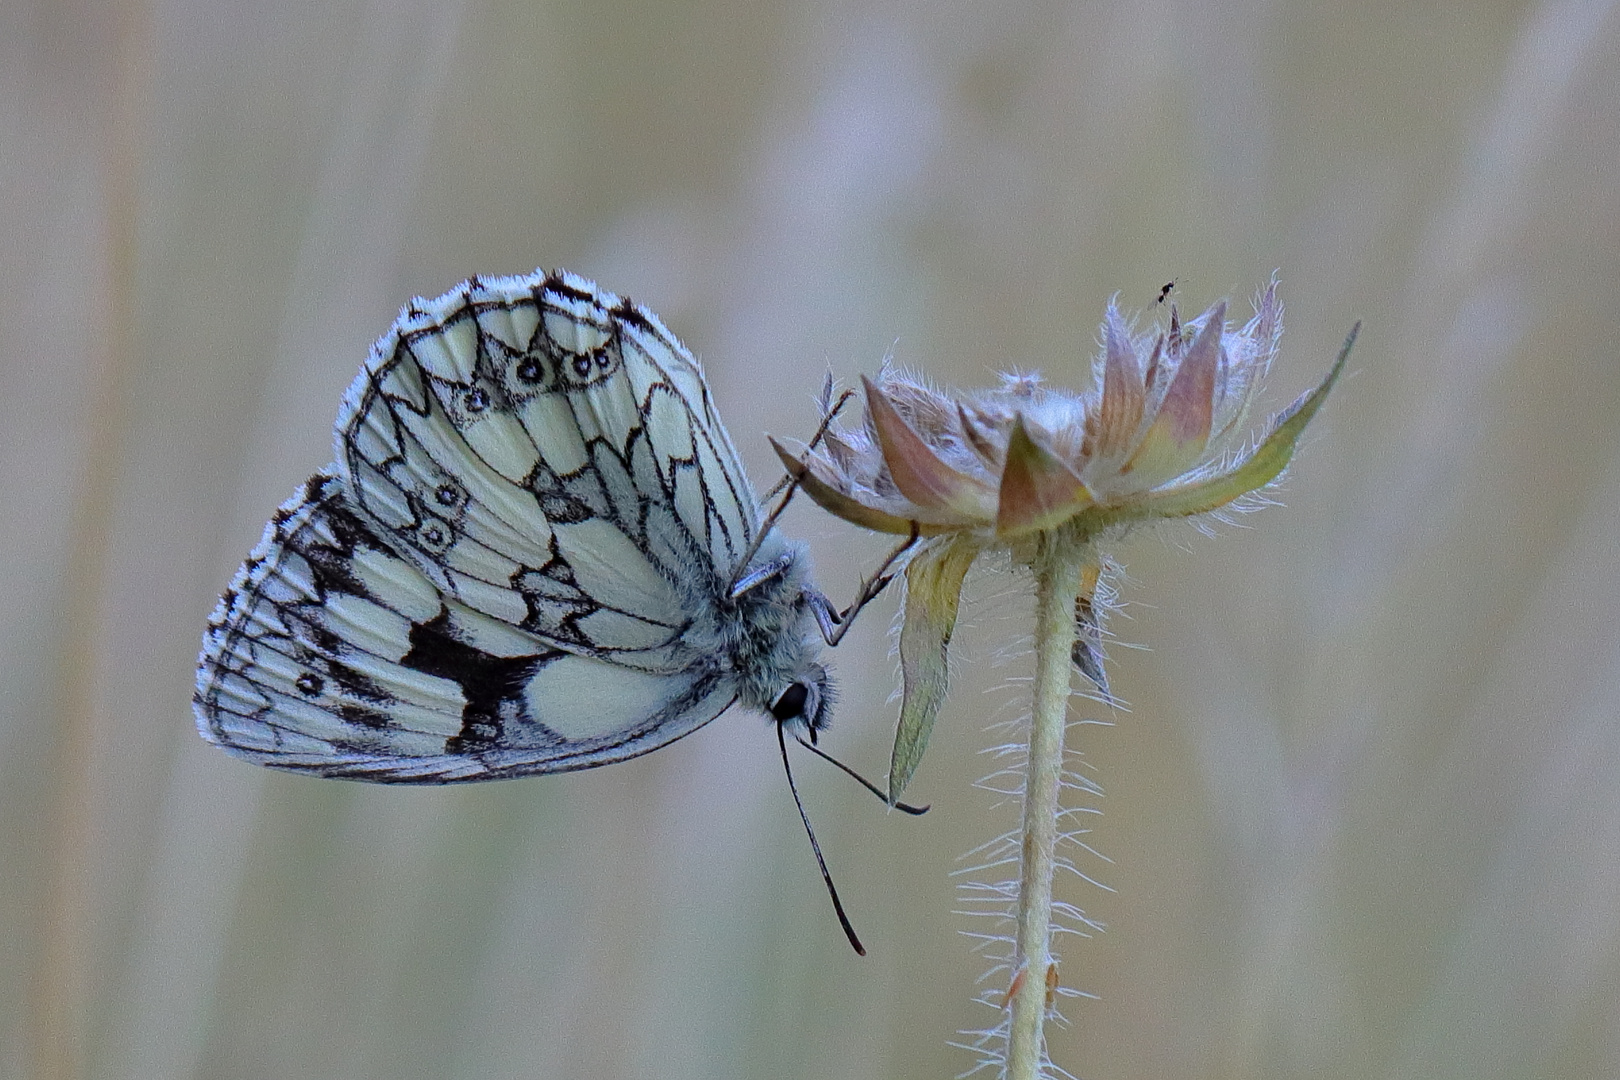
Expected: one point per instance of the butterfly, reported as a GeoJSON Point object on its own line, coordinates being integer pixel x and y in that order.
{"type": "Point", "coordinates": [536, 551]}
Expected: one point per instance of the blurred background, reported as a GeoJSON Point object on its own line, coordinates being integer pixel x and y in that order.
{"type": "Point", "coordinates": [1364, 809]}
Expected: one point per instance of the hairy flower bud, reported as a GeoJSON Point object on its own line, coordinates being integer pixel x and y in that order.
{"type": "Point", "coordinates": [1160, 434]}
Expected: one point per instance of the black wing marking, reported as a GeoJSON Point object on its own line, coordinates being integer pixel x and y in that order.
{"type": "Point", "coordinates": [547, 454]}
{"type": "Point", "coordinates": [332, 654]}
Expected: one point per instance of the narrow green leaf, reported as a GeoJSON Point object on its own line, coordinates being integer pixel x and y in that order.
{"type": "Point", "coordinates": [933, 590]}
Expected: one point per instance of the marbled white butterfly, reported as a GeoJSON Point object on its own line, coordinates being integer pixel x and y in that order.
{"type": "Point", "coordinates": [536, 551]}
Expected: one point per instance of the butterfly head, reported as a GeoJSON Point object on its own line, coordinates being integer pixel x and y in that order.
{"type": "Point", "coordinates": [768, 626]}
{"type": "Point", "coordinates": [806, 701]}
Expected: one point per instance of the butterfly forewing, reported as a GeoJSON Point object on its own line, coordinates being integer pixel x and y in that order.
{"type": "Point", "coordinates": [547, 454]}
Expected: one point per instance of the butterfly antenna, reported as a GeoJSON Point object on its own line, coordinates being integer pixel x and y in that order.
{"type": "Point", "coordinates": [863, 781]}
{"type": "Point", "coordinates": [838, 905]}
{"type": "Point", "coordinates": [787, 486]}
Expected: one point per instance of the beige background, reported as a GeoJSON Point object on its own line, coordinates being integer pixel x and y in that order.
{"type": "Point", "coordinates": [1364, 814]}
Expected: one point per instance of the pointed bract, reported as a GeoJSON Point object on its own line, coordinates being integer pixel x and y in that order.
{"type": "Point", "coordinates": [827, 496]}
{"type": "Point", "coordinates": [1038, 491]}
{"type": "Point", "coordinates": [1179, 434]}
{"type": "Point", "coordinates": [1119, 412]}
{"type": "Point", "coordinates": [918, 472]}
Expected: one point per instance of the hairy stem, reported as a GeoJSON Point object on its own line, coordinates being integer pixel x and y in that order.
{"type": "Point", "coordinates": [1058, 577]}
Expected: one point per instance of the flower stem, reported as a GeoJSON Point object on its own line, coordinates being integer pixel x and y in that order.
{"type": "Point", "coordinates": [1058, 575]}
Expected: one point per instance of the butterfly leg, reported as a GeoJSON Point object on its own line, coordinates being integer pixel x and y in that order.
{"type": "Point", "coordinates": [829, 411]}
{"type": "Point", "coordinates": [771, 570]}
{"type": "Point", "coordinates": [835, 624]}
{"type": "Point", "coordinates": [787, 486]}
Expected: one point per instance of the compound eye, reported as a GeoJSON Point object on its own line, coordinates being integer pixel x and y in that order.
{"type": "Point", "coordinates": [790, 705]}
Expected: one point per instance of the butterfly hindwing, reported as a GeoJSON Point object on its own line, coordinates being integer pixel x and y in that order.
{"type": "Point", "coordinates": [332, 653]}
